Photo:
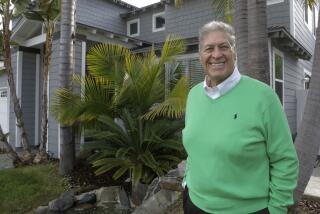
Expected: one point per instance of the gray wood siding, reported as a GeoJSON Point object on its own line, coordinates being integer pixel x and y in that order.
{"type": "Point", "coordinates": [101, 14]}
{"type": "Point", "coordinates": [146, 26]}
{"type": "Point", "coordinates": [53, 85]}
{"type": "Point", "coordinates": [28, 94]}
{"type": "Point", "coordinates": [12, 117]}
{"type": "Point", "coordinates": [187, 20]}
{"type": "Point", "coordinates": [279, 14]}
{"type": "Point", "coordinates": [293, 80]}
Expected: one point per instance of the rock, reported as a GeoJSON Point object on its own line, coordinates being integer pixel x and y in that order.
{"type": "Point", "coordinates": [86, 198]}
{"type": "Point", "coordinates": [171, 183]}
{"type": "Point", "coordinates": [182, 168]}
{"type": "Point", "coordinates": [82, 207]}
{"type": "Point", "coordinates": [158, 203]}
{"type": "Point", "coordinates": [138, 193]}
{"type": "Point", "coordinates": [41, 157]}
{"type": "Point", "coordinates": [112, 195]}
{"type": "Point", "coordinates": [64, 202]}
{"type": "Point", "coordinates": [42, 210]}
{"type": "Point", "coordinates": [153, 188]}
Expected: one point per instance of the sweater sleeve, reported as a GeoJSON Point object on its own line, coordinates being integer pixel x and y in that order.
{"type": "Point", "coordinates": [282, 158]}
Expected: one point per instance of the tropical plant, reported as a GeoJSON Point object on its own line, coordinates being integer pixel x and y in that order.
{"type": "Point", "coordinates": [128, 121]}
{"type": "Point", "coordinates": [67, 32]}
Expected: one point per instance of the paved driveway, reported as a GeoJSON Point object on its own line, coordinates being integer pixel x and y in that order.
{"type": "Point", "coordinates": [5, 161]}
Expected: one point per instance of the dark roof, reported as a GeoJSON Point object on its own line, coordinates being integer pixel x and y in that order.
{"type": "Point", "coordinates": [280, 36]}
{"type": "Point", "coordinates": [142, 9]}
{"type": "Point", "coordinates": [123, 4]}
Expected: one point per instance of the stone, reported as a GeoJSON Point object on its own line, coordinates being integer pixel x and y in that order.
{"type": "Point", "coordinates": [63, 203]}
{"type": "Point", "coordinates": [112, 195]}
{"type": "Point", "coordinates": [82, 207]}
{"type": "Point", "coordinates": [158, 203]}
{"type": "Point", "coordinates": [86, 198]}
{"type": "Point", "coordinates": [153, 188]}
{"type": "Point", "coordinates": [138, 193]}
{"type": "Point", "coordinates": [42, 210]}
{"type": "Point", "coordinates": [171, 183]}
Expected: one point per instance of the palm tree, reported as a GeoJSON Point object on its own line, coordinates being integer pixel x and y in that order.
{"type": "Point", "coordinates": [122, 93]}
{"type": "Point", "coordinates": [307, 140]}
{"type": "Point", "coordinates": [48, 12]}
{"type": "Point", "coordinates": [67, 32]}
{"type": "Point", "coordinates": [6, 14]}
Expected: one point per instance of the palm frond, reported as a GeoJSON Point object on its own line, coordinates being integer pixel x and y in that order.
{"type": "Point", "coordinates": [174, 105]}
{"type": "Point", "coordinates": [172, 47]}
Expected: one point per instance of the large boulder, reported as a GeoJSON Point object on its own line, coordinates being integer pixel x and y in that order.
{"type": "Point", "coordinates": [63, 203]}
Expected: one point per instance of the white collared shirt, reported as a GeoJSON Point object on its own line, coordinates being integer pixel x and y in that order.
{"type": "Point", "coordinates": [219, 90]}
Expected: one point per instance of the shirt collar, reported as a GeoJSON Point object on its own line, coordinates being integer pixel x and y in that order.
{"type": "Point", "coordinates": [226, 85]}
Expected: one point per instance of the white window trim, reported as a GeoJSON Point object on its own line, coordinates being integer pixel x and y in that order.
{"type": "Point", "coordinates": [8, 107]}
{"type": "Point", "coordinates": [154, 16]}
{"type": "Point", "coordinates": [278, 52]}
{"type": "Point", "coordinates": [270, 2]}
{"type": "Point", "coordinates": [128, 27]}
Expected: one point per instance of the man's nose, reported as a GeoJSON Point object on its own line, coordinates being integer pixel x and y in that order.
{"type": "Point", "coordinates": [216, 53]}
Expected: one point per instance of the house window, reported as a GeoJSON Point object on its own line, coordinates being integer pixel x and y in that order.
{"type": "Point", "coordinates": [158, 22]}
{"type": "Point", "coordinates": [310, 17]}
{"type": "Point", "coordinates": [133, 27]}
{"type": "Point", "coordinates": [3, 93]}
{"type": "Point", "coordinates": [278, 68]}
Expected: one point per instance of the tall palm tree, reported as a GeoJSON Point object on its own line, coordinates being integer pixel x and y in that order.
{"type": "Point", "coordinates": [6, 15]}
{"type": "Point", "coordinates": [48, 12]}
{"type": "Point", "coordinates": [67, 33]}
{"type": "Point", "coordinates": [307, 140]}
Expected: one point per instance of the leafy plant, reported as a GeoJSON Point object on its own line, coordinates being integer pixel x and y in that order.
{"type": "Point", "coordinates": [130, 125]}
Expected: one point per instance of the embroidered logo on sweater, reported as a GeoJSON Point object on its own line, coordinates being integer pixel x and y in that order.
{"type": "Point", "coordinates": [235, 116]}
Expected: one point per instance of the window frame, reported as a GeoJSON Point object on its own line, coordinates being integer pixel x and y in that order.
{"type": "Point", "coordinates": [274, 79]}
{"type": "Point", "coordinates": [271, 2]}
{"type": "Point", "coordinates": [137, 20]}
{"type": "Point", "coordinates": [154, 16]}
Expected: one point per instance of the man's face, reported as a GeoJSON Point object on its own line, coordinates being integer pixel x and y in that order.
{"type": "Point", "coordinates": [217, 57]}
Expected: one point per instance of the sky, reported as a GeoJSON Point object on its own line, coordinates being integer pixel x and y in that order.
{"type": "Point", "coordinates": [140, 3]}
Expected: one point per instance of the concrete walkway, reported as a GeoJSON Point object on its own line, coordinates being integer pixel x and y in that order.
{"type": "Point", "coordinates": [313, 187]}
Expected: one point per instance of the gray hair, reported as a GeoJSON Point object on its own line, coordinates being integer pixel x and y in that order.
{"type": "Point", "coordinates": [218, 26]}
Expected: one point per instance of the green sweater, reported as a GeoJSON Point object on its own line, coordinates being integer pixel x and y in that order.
{"type": "Point", "coordinates": [241, 157]}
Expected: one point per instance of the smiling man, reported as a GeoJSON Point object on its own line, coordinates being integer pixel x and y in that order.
{"type": "Point", "coordinates": [241, 157]}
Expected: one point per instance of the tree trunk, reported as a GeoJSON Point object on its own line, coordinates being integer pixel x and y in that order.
{"type": "Point", "coordinates": [12, 154]}
{"type": "Point", "coordinates": [307, 140]}
{"type": "Point", "coordinates": [67, 30]}
{"type": "Point", "coordinates": [258, 54]}
{"type": "Point", "coordinates": [8, 70]}
{"type": "Point", "coordinates": [241, 29]}
{"type": "Point", "coordinates": [42, 155]}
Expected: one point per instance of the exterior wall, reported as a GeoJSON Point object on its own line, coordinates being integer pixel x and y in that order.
{"type": "Point", "coordinates": [53, 127]}
{"type": "Point", "coordinates": [101, 14]}
{"type": "Point", "coordinates": [301, 30]}
{"type": "Point", "coordinates": [28, 94]}
{"type": "Point", "coordinates": [3, 80]}
{"type": "Point", "coordinates": [187, 20]}
{"type": "Point", "coordinates": [146, 25]}
{"type": "Point", "coordinates": [279, 14]}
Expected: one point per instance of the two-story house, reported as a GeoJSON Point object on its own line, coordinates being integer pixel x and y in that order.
{"type": "Point", "coordinates": [291, 29]}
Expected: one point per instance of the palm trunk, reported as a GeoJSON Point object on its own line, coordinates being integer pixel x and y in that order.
{"type": "Point", "coordinates": [258, 56]}
{"type": "Point", "coordinates": [8, 70]}
{"type": "Point", "coordinates": [307, 141]}
{"type": "Point", "coordinates": [241, 29]}
{"type": "Point", "coordinates": [67, 30]}
{"type": "Point", "coordinates": [44, 113]}
{"type": "Point", "coordinates": [13, 155]}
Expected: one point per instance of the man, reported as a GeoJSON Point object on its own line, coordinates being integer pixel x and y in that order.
{"type": "Point", "coordinates": [241, 158]}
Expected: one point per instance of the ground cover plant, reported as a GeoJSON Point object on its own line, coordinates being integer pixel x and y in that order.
{"type": "Point", "coordinates": [25, 188]}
